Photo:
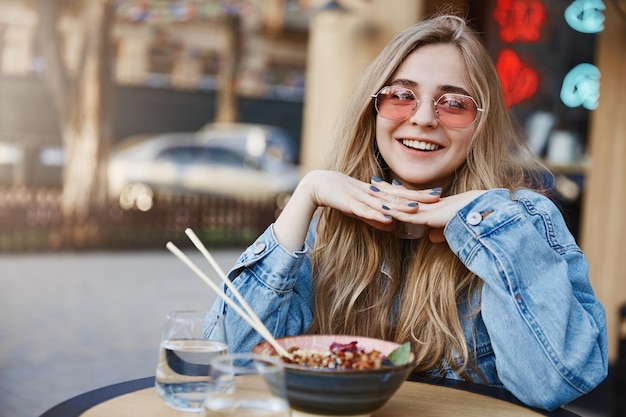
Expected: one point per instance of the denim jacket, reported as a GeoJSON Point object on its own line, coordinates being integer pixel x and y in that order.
{"type": "Point", "coordinates": [541, 332]}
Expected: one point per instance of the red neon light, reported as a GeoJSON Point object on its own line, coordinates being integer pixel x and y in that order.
{"type": "Point", "coordinates": [519, 81]}
{"type": "Point", "coordinates": [520, 20]}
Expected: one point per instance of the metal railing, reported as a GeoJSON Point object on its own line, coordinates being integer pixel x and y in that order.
{"type": "Point", "coordinates": [31, 220]}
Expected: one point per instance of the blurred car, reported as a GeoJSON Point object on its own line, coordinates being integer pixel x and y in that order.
{"type": "Point", "coordinates": [244, 161]}
{"type": "Point", "coordinates": [272, 140]}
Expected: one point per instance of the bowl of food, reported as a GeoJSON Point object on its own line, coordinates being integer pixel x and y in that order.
{"type": "Point", "coordinates": [341, 375]}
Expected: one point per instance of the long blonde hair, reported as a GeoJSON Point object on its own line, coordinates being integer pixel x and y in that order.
{"type": "Point", "coordinates": [415, 299]}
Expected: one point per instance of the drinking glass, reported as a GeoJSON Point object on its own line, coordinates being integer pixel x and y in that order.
{"type": "Point", "coordinates": [246, 385]}
{"type": "Point", "coordinates": [411, 230]}
{"type": "Point", "coordinates": [191, 339]}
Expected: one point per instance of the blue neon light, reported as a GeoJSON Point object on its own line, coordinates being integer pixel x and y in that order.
{"type": "Point", "coordinates": [586, 16]}
{"type": "Point", "coordinates": [581, 87]}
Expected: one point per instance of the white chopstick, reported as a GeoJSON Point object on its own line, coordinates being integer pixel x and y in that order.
{"type": "Point", "coordinates": [255, 322]}
{"type": "Point", "coordinates": [198, 243]}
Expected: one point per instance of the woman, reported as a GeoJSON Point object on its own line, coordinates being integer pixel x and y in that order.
{"type": "Point", "coordinates": [496, 291]}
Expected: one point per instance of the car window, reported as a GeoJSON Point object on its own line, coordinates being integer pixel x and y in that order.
{"type": "Point", "coordinates": [281, 146]}
{"type": "Point", "coordinates": [223, 156]}
{"type": "Point", "coordinates": [202, 154]}
{"type": "Point", "coordinates": [179, 154]}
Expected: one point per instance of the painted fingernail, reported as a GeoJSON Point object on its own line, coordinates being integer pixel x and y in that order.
{"type": "Point", "coordinates": [376, 178]}
{"type": "Point", "coordinates": [385, 207]}
{"type": "Point", "coordinates": [412, 204]}
{"type": "Point", "coordinates": [396, 182]}
{"type": "Point", "coordinates": [387, 216]}
{"type": "Point", "coordinates": [436, 191]}
{"type": "Point", "coordinates": [374, 188]}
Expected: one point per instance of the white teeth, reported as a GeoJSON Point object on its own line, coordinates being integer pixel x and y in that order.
{"type": "Point", "coordinates": [422, 146]}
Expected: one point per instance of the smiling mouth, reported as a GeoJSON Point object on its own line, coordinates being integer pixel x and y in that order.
{"type": "Point", "coordinates": [419, 145]}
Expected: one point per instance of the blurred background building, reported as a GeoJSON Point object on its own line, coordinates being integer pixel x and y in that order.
{"type": "Point", "coordinates": [179, 64]}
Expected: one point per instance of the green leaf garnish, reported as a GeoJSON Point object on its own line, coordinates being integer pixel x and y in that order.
{"type": "Point", "coordinates": [401, 354]}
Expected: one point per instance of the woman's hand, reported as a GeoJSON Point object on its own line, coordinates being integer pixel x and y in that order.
{"type": "Point", "coordinates": [352, 197]}
{"type": "Point", "coordinates": [332, 189]}
{"type": "Point", "coordinates": [377, 203]}
{"type": "Point", "coordinates": [432, 210]}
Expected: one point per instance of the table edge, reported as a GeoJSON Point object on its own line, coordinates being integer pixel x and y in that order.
{"type": "Point", "coordinates": [77, 405]}
{"type": "Point", "coordinates": [488, 391]}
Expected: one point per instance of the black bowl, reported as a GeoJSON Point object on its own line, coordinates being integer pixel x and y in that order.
{"type": "Point", "coordinates": [337, 392]}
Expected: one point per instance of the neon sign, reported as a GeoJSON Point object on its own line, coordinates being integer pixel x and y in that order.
{"type": "Point", "coordinates": [520, 20]}
{"type": "Point", "coordinates": [519, 81]}
{"type": "Point", "coordinates": [581, 87]}
{"type": "Point", "coordinates": [586, 16]}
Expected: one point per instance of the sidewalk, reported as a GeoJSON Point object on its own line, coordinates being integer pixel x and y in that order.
{"type": "Point", "coordinates": [73, 322]}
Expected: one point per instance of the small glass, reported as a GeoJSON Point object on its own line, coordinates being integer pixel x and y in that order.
{"type": "Point", "coordinates": [246, 385]}
{"type": "Point", "coordinates": [411, 230]}
{"type": "Point", "coordinates": [191, 339]}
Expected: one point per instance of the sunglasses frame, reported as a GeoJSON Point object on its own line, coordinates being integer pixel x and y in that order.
{"type": "Point", "coordinates": [435, 102]}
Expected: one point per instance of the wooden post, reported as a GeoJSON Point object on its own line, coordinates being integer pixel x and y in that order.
{"type": "Point", "coordinates": [229, 57]}
{"type": "Point", "coordinates": [603, 236]}
{"type": "Point", "coordinates": [339, 50]}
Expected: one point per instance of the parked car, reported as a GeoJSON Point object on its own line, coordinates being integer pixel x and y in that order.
{"type": "Point", "coordinates": [273, 140]}
{"type": "Point", "coordinates": [245, 161]}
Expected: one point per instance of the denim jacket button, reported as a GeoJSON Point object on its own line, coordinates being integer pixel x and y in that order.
{"type": "Point", "coordinates": [259, 247]}
{"type": "Point", "coordinates": [474, 218]}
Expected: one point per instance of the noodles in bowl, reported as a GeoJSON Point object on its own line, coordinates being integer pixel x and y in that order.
{"type": "Point", "coordinates": [340, 375]}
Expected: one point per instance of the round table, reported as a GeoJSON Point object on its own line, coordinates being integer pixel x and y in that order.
{"type": "Point", "coordinates": [416, 397]}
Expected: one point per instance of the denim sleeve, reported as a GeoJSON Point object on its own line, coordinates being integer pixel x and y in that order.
{"type": "Point", "coordinates": [276, 284]}
{"type": "Point", "coordinates": [547, 328]}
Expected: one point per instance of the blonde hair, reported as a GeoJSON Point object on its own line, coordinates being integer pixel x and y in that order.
{"type": "Point", "coordinates": [416, 298]}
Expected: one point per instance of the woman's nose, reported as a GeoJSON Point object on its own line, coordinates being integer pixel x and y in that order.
{"type": "Point", "coordinates": [425, 113]}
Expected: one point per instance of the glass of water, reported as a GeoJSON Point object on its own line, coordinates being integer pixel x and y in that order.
{"type": "Point", "coordinates": [191, 339]}
{"type": "Point", "coordinates": [246, 385]}
{"type": "Point", "coordinates": [410, 230]}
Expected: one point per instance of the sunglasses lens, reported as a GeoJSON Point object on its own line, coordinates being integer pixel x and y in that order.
{"type": "Point", "coordinates": [395, 103]}
{"type": "Point", "coordinates": [455, 110]}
